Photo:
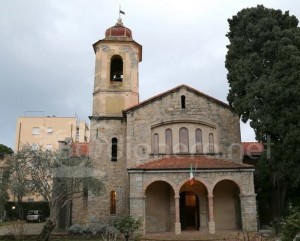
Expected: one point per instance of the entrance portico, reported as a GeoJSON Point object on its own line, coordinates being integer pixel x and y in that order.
{"type": "Point", "coordinates": [169, 202]}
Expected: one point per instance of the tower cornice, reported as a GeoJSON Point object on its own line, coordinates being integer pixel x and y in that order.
{"type": "Point", "coordinates": [119, 41]}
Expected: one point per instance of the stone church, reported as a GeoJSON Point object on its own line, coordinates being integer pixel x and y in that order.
{"type": "Point", "coordinates": [173, 160]}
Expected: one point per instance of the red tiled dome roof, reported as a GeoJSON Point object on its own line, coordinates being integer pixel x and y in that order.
{"type": "Point", "coordinates": [118, 30]}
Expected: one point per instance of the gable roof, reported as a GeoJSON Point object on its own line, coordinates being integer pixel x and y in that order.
{"type": "Point", "coordinates": [176, 89]}
{"type": "Point", "coordinates": [80, 149]}
{"type": "Point", "coordinates": [252, 148]}
{"type": "Point", "coordinates": [185, 162]}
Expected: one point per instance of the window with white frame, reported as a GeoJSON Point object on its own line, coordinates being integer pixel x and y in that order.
{"type": "Point", "coordinates": [35, 130]}
{"type": "Point", "coordinates": [49, 130]}
{"type": "Point", "coordinates": [34, 147]}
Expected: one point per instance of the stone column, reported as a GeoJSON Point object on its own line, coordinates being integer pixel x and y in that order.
{"type": "Point", "coordinates": [177, 216]}
{"type": "Point", "coordinates": [138, 209]}
{"type": "Point", "coordinates": [211, 221]}
{"type": "Point", "coordinates": [249, 212]}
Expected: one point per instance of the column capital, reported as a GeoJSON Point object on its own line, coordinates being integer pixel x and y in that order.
{"type": "Point", "coordinates": [248, 195]}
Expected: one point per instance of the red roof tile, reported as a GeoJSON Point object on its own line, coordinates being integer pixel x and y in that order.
{"type": "Point", "coordinates": [185, 162]}
{"type": "Point", "coordinates": [252, 148]}
{"type": "Point", "coordinates": [80, 149]}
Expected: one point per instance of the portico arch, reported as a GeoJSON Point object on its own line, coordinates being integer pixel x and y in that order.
{"type": "Point", "coordinates": [193, 205]}
{"type": "Point", "coordinates": [227, 210]}
{"type": "Point", "coordinates": [159, 207]}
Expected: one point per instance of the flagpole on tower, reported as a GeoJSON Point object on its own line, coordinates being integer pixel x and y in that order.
{"type": "Point", "coordinates": [120, 11]}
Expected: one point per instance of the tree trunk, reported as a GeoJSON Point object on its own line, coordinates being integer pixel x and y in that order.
{"type": "Point", "coordinates": [47, 230]}
{"type": "Point", "coordinates": [19, 208]}
{"type": "Point", "coordinates": [279, 188]}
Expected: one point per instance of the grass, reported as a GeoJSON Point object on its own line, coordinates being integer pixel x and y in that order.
{"type": "Point", "coordinates": [6, 223]}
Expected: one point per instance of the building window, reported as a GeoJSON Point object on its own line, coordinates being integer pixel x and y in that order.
{"type": "Point", "coordinates": [85, 191]}
{"type": "Point", "coordinates": [114, 149]}
{"type": "Point", "coordinates": [49, 130]}
{"type": "Point", "coordinates": [211, 143]}
{"type": "Point", "coordinates": [34, 147]}
{"type": "Point", "coordinates": [183, 102]}
{"type": "Point", "coordinates": [198, 135]}
{"type": "Point", "coordinates": [35, 130]}
{"type": "Point", "coordinates": [116, 68]}
{"type": "Point", "coordinates": [77, 134]}
{"type": "Point", "coordinates": [155, 143]}
{"type": "Point", "coordinates": [49, 147]}
{"type": "Point", "coordinates": [169, 141]}
{"type": "Point", "coordinates": [113, 202]}
{"type": "Point", "coordinates": [184, 140]}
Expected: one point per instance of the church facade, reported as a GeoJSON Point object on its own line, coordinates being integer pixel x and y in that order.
{"type": "Point", "coordinates": [174, 160]}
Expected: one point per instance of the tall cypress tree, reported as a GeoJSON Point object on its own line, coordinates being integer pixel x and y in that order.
{"type": "Point", "coordinates": [263, 63]}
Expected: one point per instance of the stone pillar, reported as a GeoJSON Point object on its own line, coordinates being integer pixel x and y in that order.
{"type": "Point", "coordinates": [211, 221]}
{"type": "Point", "coordinates": [177, 216]}
{"type": "Point", "coordinates": [138, 209]}
{"type": "Point", "coordinates": [249, 212]}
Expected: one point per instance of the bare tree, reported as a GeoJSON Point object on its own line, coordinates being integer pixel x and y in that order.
{"type": "Point", "coordinates": [59, 177]}
{"type": "Point", "coordinates": [18, 183]}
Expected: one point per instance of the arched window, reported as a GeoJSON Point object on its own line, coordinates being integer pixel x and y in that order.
{"type": "Point", "coordinates": [155, 143]}
{"type": "Point", "coordinates": [183, 101]}
{"type": "Point", "coordinates": [211, 143]}
{"type": "Point", "coordinates": [113, 202]}
{"type": "Point", "coordinates": [114, 149]}
{"type": "Point", "coordinates": [116, 68]}
{"type": "Point", "coordinates": [183, 140]}
{"type": "Point", "coordinates": [198, 135]}
{"type": "Point", "coordinates": [169, 142]}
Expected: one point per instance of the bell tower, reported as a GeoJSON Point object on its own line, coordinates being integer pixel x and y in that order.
{"type": "Point", "coordinates": [116, 87]}
{"type": "Point", "coordinates": [116, 83]}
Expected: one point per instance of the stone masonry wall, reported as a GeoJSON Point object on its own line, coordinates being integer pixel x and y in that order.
{"type": "Point", "coordinates": [113, 174]}
{"type": "Point", "coordinates": [168, 109]}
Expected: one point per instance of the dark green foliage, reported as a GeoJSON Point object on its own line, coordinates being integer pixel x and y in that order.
{"type": "Point", "coordinates": [127, 225]}
{"type": "Point", "coordinates": [263, 63]}
{"type": "Point", "coordinates": [291, 225]}
{"type": "Point", "coordinates": [4, 150]}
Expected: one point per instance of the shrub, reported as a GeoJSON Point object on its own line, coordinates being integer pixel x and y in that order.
{"type": "Point", "coordinates": [76, 229]}
{"type": "Point", "coordinates": [290, 225]}
{"type": "Point", "coordinates": [128, 225]}
{"type": "Point", "coordinates": [109, 233]}
{"type": "Point", "coordinates": [87, 229]}
{"type": "Point", "coordinates": [96, 228]}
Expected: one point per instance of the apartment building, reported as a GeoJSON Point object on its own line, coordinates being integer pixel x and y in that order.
{"type": "Point", "coordinates": [47, 131]}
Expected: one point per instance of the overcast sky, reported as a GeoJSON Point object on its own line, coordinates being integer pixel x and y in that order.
{"type": "Point", "coordinates": [47, 59]}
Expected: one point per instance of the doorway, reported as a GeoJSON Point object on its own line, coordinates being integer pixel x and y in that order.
{"type": "Point", "coordinates": [189, 211]}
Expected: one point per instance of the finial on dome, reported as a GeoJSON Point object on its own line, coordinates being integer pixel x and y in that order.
{"type": "Point", "coordinates": [119, 21]}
